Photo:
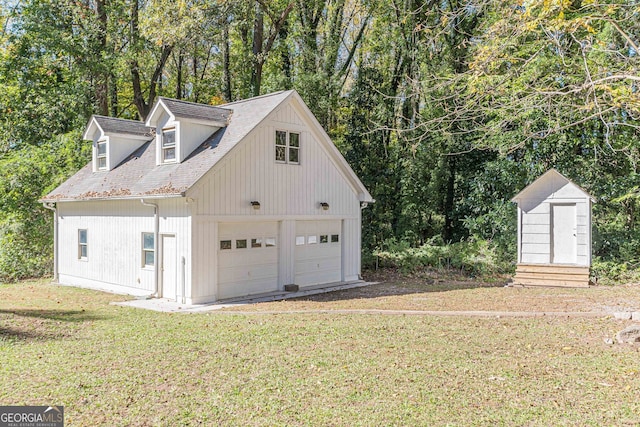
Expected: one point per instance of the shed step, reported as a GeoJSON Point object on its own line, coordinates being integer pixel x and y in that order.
{"type": "Point", "coordinates": [551, 275]}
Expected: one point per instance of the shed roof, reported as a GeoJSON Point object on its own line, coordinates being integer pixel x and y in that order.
{"type": "Point", "coordinates": [551, 178]}
{"type": "Point", "coordinates": [139, 176]}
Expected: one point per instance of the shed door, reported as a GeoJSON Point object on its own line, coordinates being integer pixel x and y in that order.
{"type": "Point", "coordinates": [318, 252]}
{"type": "Point", "coordinates": [247, 258]}
{"type": "Point", "coordinates": [169, 270]}
{"type": "Point", "coordinates": [564, 240]}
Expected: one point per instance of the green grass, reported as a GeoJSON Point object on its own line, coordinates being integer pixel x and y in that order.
{"type": "Point", "coordinates": [111, 365]}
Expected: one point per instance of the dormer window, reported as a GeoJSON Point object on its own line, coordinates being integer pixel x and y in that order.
{"type": "Point", "coordinates": [101, 155]}
{"type": "Point", "coordinates": [169, 145]}
{"type": "Point", "coordinates": [287, 147]}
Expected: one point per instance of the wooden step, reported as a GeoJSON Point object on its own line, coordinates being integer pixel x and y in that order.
{"type": "Point", "coordinates": [551, 275]}
{"type": "Point", "coordinates": [533, 268]}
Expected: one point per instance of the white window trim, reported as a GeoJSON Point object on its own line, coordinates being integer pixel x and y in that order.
{"type": "Point", "coordinates": [85, 244]}
{"type": "Point", "coordinates": [144, 252]}
{"type": "Point", "coordinates": [174, 146]}
{"type": "Point", "coordinates": [101, 156]}
{"type": "Point", "coordinates": [287, 146]}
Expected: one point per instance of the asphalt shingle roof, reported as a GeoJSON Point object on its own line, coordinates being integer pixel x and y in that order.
{"type": "Point", "coordinates": [131, 127]}
{"type": "Point", "coordinates": [139, 176]}
{"type": "Point", "coordinates": [191, 110]}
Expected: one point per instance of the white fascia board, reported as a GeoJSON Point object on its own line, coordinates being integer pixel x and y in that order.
{"type": "Point", "coordinates": [151, 118]}
{"type": "Point", "coordinates": [91, 129]}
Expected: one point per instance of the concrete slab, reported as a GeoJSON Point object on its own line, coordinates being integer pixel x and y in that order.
{"type": "Point", "coordinates": [170, 306]}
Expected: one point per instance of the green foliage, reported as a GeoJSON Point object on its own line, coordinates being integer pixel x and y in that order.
{"type": "Point", "coordinates": [476, 257]}
{"type": "Point", "coordinates": [445, 110]}
{"type": "Point", "coordinates": [26, 240]}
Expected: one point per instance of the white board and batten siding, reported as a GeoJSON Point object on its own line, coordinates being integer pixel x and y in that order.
{"type": "Point", "coordinates": [114, 230]}
{"type": "Point", "coordinates": [288, 195]}
{"type": "Point", "coordinates": [554, 217]}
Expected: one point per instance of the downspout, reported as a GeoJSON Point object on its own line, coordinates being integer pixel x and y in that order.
{"type": "Point", "coordinates": [52, 207]}
{"type": "Point", "coordinates": [182, 278]}
{"type": "Point", "coordinates": [156, 231]}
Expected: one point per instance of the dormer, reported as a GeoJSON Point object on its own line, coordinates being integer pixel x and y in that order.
{"type": "Point", "coordinates": [114, 139]}
{"type": "Point", "coordinates": [182, 126]}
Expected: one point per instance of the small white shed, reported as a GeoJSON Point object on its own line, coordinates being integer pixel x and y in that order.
{"type": "Point", "coordinates": [554, 233]}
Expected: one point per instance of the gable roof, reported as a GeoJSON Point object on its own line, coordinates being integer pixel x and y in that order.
{"type": "Point", "coordinates": [139, 176]}
{"type": "Point", "coordinates": [553, 181]}
{"type": "Point", "coordinates": [112, 125]}
{"type": "Point", "coordinates": [179, 109]}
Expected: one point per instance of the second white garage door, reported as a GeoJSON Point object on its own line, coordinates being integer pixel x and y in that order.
{"type": "Point", "coordinates": [318, 253]}
{"type": "Point", "coordinates": [247, 258]}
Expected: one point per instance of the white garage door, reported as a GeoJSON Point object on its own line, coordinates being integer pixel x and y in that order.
{"type": "Point", "coordinates": [318, 252]}
{"type": "Point", "coordinates": [247, 258]}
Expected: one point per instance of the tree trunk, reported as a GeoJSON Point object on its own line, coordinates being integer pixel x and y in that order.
{"type": "Point", "coordinates": [102, 77]}
{"type": "Point", "coordinates": [144, 106]}
{"type": "Point", "coordinates": [226, 63]}
{"type": "Point", "coordinates": [449, 199]}
{"type": "Point", "coordinates": [257, 59]}
{"type": "Point", "coordinates": [179, 75]}
{"type": "Point", "coordinates": [113, 88]}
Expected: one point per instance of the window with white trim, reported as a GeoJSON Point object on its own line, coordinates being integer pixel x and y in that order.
{"type": "Point", "coordinates": [82, 244]}
{"type": "Point", "coordinates": [287, 147]}
{"type": "Point", "coordinates": [168, 145]}
{"type": "Point", "coordinates": [101, 155]}
{"type": "Point", "coordinates": [148, 250]}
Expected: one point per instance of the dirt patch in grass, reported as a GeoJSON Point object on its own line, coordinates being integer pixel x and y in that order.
{"type": "Point", "coordinates": [446, 291]}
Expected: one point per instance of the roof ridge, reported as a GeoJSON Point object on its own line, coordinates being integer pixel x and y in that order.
{"type": "Point", "coordinates": [182, 101]}
{"type": "Point", "coordinates": [266, 95]}
{"type": "Point", "coordinates": [118, 118]}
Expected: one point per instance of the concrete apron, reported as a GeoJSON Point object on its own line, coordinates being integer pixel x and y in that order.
{"type": "Point", "coordinates": [170, 306]}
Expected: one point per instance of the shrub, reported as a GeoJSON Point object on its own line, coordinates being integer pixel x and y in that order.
{"type": "Point", "coordinates": [476, 257]}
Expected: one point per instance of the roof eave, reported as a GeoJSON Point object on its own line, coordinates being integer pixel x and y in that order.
{"type": "Point", "coordinates": [206, 122]}
{"type": "Point", "coordinates": [100, 199]}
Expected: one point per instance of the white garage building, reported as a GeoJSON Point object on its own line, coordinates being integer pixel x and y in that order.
{"type": "Point", "coordinates": [204, 203]}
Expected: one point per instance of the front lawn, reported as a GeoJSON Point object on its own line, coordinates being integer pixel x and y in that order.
{"type": "Point", "coordinates": [111, 365]}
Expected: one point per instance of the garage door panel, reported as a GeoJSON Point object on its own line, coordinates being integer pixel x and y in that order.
{"type": "Point", "coordinates": [247, 270]}
{"type": "Point", "coordinates": [237, 259]}
{"type": "Point", "coordinates": [317, 263]}
{"type": "Point", "coordinates": [240, 274]}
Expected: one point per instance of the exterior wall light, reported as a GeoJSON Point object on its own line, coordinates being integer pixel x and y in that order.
{"type": "Point", "coordinates": [324, 206]}
{"type": "Point", "coordinates": [255, 205]}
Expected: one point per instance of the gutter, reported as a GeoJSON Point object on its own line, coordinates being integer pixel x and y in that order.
{"type": "Point", "coordinates": [100, 199]}
{"type": "Point", "coordinates": [156, 232]}
{"type": "Point", "coordinates": [52, 207]}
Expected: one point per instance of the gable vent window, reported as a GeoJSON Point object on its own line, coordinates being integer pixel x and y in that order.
{"type": "Point", "coordinates": [101, 155]}
{"type": "Point", "coordinates": [168, 145]}
{"type": "Point", "coordinates": [287, 147]}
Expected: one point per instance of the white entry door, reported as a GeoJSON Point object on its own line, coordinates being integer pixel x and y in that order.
{"type": "Point", "coordinates": [169, 270]}
{"type": "Point", "coordinates": [564, 243]}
